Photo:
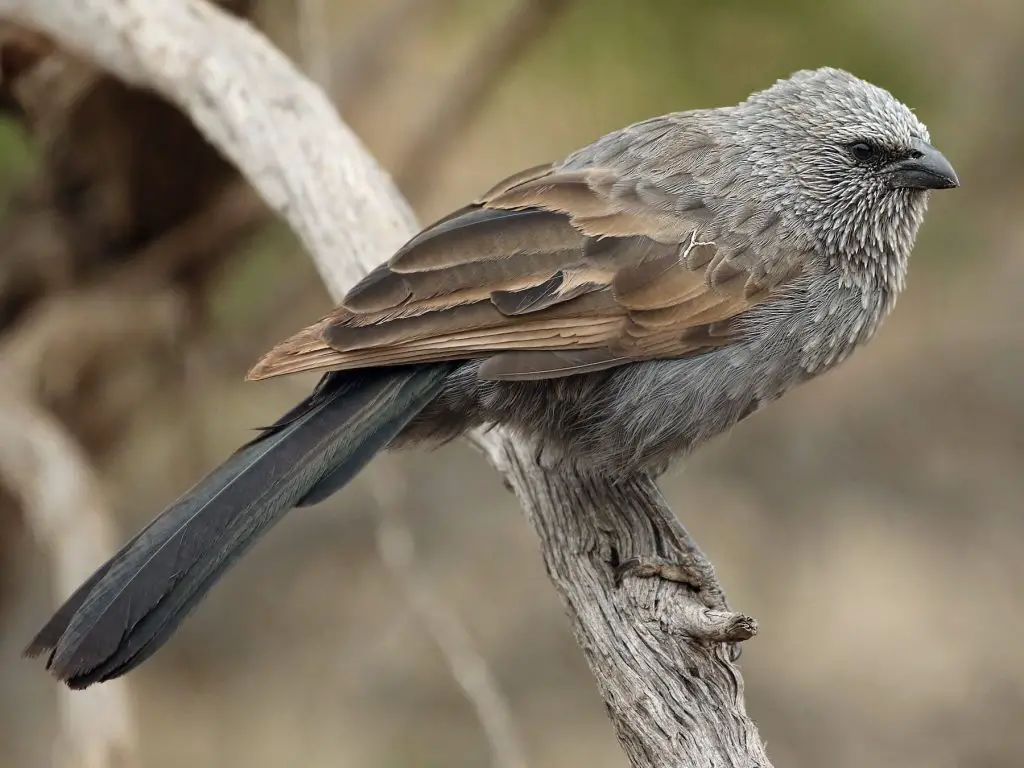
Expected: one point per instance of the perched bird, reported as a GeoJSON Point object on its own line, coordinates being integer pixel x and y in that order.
{"type": "Point", "coordinates": [618, 308]}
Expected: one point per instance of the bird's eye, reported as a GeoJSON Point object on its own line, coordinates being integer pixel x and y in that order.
{"type": "Point", "coordinates": [863, 151]}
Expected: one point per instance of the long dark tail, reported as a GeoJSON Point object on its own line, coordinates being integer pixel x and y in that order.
{"type": "Point", "coordinates": [134, 602]}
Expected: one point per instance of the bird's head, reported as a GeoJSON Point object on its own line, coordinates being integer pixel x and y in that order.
{"type": "Point", "coordinates": [848, 159]}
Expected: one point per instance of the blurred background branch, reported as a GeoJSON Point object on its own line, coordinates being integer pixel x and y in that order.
{"type": "Point", "coordinates": [395, 542]}
{"type": "Point", "coordinates": [68, 515]}
{"type": "Point", "coordinates": [468, 667]}
{"type": "Point", "coordinates": [363, 60]}
{"type": "Point", "coordinates": [499, 49]}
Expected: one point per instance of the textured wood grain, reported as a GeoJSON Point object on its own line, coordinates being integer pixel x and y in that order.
{"type": "Point", "coordinates": [655, 648]}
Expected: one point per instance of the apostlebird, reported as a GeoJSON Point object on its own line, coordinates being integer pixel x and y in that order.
{"type": "Point", "coordinates": [616, 308]}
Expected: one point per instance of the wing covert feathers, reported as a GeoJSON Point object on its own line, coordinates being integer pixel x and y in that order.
{"type": "Point", "coordinates": [553, 272]}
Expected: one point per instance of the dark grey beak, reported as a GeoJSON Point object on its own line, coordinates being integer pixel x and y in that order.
{"type": "Point", "coordinates": [926, 168]}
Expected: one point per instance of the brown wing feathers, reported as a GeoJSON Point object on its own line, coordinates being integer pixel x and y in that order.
{"type": "Point", "coordinates": [550, 274]}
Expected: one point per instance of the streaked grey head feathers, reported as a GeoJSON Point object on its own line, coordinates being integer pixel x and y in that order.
{"type": "Point", "coordinates": [827, 145]}
{"type": "Point", "coordinates": [842, 155]}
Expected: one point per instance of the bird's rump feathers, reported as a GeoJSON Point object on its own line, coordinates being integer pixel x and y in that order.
{"type": "Point", "coordinates": [560, 270]}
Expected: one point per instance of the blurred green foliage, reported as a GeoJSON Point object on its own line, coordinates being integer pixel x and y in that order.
{"type": "Point", "coordinates": [17, 160]}
{"type": "Point", "coordinates": [691, 53]}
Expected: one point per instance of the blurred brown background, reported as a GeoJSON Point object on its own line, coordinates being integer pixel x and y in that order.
{"type": "Point", "coordinates": [871, 521]}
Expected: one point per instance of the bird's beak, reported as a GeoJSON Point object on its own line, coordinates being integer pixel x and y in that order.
{"type": "Point", "coordinates": [926, 168]}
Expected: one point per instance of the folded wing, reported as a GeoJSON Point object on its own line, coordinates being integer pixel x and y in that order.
{"type": "Point", "coordinates": [554, 272]}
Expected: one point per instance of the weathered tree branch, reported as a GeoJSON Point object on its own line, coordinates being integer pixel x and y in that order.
{"type": "Point", "coordinates": [69, 517]}
{"type": "Point", "coordinates": [655, 648]}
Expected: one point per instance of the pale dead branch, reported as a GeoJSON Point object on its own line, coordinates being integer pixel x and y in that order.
{"type": "Point", "coordinates": [47, 354]}
{"type": "Point", "coordinates": [44, 358]}
{"type": "Point", "coordinates": [57, 491]}
{"type": "Point", "coordinates": [656, 651]}
{"type": "Point", "coordinates": [69, 516]}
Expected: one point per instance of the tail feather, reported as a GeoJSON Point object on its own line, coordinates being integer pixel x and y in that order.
{"type": "Point", "coordinates": [135, 601]}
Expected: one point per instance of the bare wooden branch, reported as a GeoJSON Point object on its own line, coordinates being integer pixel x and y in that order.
{"type": "Point", "coordinates": [459, 100]}
{"type": "Point", "coordinates": [662, 660]}
{"type": "Point", "coordinates": [655, 649]}
{"type": "Point", "coordinates": [252, 103]}
{"type": "Point", "coordinates": [235, 211]}
{"type": "Point", "coordinates": [51, 346]}
{"type": "Point", "coordinates": [42, 81]}
{"type": "Point", "coordinates": [362, 61]}
{"type": "Point", "coordinates": [68, 515]}
{"type": "Point", "coordinates": [467, 665]}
